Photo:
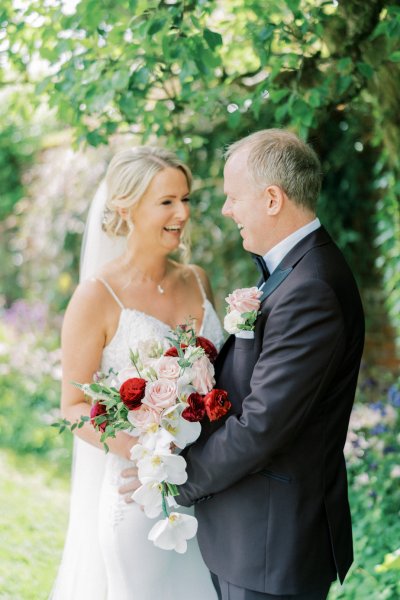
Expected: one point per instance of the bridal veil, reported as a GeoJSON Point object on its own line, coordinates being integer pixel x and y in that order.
{"type": "Point", "coordinates": [81, 575]}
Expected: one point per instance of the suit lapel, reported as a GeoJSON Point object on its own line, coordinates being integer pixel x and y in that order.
{"type": "Point", "coordinates": [274, 281]}
{"type": "Point", "coordinates": [319, 237]}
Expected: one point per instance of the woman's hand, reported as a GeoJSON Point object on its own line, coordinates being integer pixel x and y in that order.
{"type": "Point", "coordinates": [131, 485]}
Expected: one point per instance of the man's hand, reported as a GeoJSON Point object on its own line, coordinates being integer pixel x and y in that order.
{"type": "Point", "coordinates": [131, 485]}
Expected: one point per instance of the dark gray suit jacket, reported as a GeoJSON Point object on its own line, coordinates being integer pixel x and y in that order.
{"type": "Point", "coordinates": [269, 481]}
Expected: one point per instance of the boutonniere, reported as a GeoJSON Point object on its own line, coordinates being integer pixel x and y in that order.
{"type": "Point", "coordinates": [242, 311]}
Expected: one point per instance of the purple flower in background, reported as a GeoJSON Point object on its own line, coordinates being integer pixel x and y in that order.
{"type": "Point", "coordinates": [378, 429]}
{"type": "Point", "coordinates": [25, 316]}
{"type": "Point", "coordinates": [394, 395]}
{"type": "Point", "coordinates": [368, 383]}
{"type": "Point", "coordinates": [379, 406]}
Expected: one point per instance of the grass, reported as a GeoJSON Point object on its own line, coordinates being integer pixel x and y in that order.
{"type": "Point", "coordinates": [34, 511]}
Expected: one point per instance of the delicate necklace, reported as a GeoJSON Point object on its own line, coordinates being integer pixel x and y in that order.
{"type": "Point", "coordinates": [159, 285]}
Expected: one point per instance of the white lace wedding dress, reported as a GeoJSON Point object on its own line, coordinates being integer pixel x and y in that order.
{"type": "Point", "coordinates": [109, 557]}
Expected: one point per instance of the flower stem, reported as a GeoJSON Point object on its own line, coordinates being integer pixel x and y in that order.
{"type": "Point", "coordinates": [132, 357]}
{"type": "Point", "coordinates": [164, 494]}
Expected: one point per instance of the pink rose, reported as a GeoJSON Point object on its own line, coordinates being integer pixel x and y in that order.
{"type": "Point", "coordinates": [244, 299]}
{"type": "Point", "coordinates": [160, 394]}
{"type": "Point", "coordinates": [168, 367]}
{"type": "Point", "coordinates": [202, 375]}
{"type": "Point", "coordinates": [143, 417]}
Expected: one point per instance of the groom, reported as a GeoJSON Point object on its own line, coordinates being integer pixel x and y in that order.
{"type": "Point", "coordinates": [269, 483]}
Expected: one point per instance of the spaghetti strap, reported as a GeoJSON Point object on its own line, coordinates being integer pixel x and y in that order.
{"type": "Point", "coordinates": [113, 294]}
{"type": "Point", "coordinates": [203, 293]}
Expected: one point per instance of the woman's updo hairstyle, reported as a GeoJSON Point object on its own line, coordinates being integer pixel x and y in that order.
{"type": "Point", "coordinates": [128, 176]}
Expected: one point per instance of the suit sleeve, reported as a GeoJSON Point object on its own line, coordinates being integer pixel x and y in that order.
{"type": "Point", "coordinates": [302, 347]}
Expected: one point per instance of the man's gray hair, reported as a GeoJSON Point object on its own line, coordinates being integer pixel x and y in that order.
{"type": "Point", "coordinates": [279, 157]}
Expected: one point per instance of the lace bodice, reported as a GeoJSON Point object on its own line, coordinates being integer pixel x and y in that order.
{"type": "Point", "coordinates": [136, 326]}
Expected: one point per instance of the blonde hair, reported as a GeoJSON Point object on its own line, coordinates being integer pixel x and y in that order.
{"type": "Point", "coordinates": [128, 176]}
{"type": "Point", "coordinates": [279, 157]}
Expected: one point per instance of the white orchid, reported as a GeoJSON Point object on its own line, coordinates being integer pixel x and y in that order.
{"type": "Point", "coordinates": [182, 431]}
{"type": "Point", "coordinates": [184, 385]}
{"type": "Point", "coordinates": [157, 440]}
{"type": "Point", "coordinates": [162, 467]}
{"type": "Point", "coordinates": [173, 532]}
{"type": "Point", "coordinates": [150, 497]}
{"type": "Point", "coordinates": [138, 452]}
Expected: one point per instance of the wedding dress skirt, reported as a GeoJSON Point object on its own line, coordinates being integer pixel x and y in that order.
{"type": "Point", "coordinates": [107, 555]}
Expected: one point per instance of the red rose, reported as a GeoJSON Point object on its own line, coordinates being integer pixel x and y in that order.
{"type": "Point", "coordinates": [173, 351]}
{"type": "Point", "coordinates": [196, 410]}
{"type": "Point", "coordinates": [217, 404]}
{"type": "Point", "coordinates": [132, 392]}
{"type": "Point", "coordinates": [97, 410]}
{"type": "Point", "coordinates": [208, 347]}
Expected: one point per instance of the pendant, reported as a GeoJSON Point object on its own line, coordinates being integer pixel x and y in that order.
{"type": "Point", "coordinates": [160, 289]}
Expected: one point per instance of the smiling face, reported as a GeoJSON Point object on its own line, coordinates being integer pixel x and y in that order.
{"type": "Point", "coordinates": [162, 212]}
{"type": "Point", "coordinates": [246, 204]}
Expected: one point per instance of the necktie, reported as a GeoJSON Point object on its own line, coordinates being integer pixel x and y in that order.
{"type": "Point", "coordinates": [261, 266]}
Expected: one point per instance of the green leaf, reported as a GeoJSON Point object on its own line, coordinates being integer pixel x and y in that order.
{"type": "Point", "coordinates": [277, 95]}
{"type": "Point", "coordinates": [395, 56]}
{"type": "Point", "coordinates": [365, 69]}
{"type": "Point", "coordinates": [345, 64]}
{"type": "Point", "coordinates": [212, 38]}
{"type": "Point", "coordinates": [120, 79]}
{"type": "Point", "coordinates": [293, 5]}
{"type": "Point", "coordinates": [344, 83]}
{"type": "Point", "coordinates": [155, 26]}
{"type": "Point", "coordinates": [234, 119]}
{"type": "Point", "coordinates": [95, 387]}
{"type": "Point", "coordinates": [314, 98]}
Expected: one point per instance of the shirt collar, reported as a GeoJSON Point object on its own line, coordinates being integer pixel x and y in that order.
{"type": "Point", "coordinates": [274, 256]}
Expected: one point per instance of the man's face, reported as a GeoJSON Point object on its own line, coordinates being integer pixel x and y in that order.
{"type": "Point", "coordinates": [245, 203]}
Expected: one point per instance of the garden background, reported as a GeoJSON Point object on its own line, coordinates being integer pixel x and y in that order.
{"type": "Point", "coordinates": [79, 80]}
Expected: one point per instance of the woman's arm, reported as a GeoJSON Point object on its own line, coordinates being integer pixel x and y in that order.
{"type": "Point", "coordinates": [82, 342]}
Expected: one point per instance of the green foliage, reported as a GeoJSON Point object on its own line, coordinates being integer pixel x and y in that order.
{"type": "Point", "coordinates": [198, 75]}
{"type": "Point", "coordinates": [374, 475]}
{"type": "Point", "coordinates": [30, 392]}
{"type": "Point", "coordinates": [387, 220]}
{"type": "Point", "coordinates": [33, 520]}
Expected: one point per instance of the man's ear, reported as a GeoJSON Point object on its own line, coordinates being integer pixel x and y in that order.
{"type": "Point", "coordinates": [274, 198]}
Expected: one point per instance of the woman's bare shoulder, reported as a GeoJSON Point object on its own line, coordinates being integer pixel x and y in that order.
{"type": "Point", "coordinates": [89, 301]}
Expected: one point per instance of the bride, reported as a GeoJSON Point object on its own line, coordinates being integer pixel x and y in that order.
{"type": "Point", "coordinates": [140, 294]}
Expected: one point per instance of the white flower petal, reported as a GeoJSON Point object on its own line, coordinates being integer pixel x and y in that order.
{"type": "Point", "coordinates": [138, 452]}
{"type": "Point", "coordinates": [183, 432]}
{"type": "Point", "coordinates": [172, 533]}
{"type": "Point", "coordinates": [149, 496]}
{"type": "Point", "coordinates": [232, 320]}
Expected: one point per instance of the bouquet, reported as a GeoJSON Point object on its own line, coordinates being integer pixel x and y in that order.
{"type": "Point", "coordinates": [161, 399]}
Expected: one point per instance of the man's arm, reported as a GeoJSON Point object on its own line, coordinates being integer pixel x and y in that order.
{"type": "Point", "coordinates": [302, 347]}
